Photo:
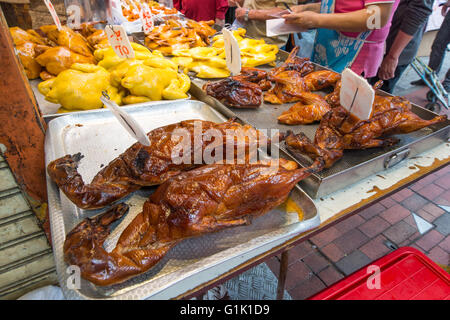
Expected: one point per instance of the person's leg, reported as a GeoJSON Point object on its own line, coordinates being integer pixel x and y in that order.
{"type": "Point", "coordinates": [439, 46]}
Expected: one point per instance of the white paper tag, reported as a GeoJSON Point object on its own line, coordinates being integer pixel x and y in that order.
{"type": "Point", "coordinates": [232, 52]}
{"type": "Point", "coordinates": [276, 27]}
{"type": "Point", "coordinates": [357, 95]}
{"type": "Point", "coordinates": [119, 41]}
{"type": "Point", "coordinates": [127, 121]}
{"type": "Point", "coordinates": [147, 19]}
{"type": "Point", "coordinates": [53, 13]}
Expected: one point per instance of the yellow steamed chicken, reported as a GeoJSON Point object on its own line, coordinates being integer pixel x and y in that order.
{"type": "Point", "coordinates": [80, 88]}
{"type": "Point", "coordinates": [210, 62]}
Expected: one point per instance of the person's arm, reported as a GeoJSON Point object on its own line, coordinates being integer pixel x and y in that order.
{"type": "Point", "coordinates": [356, 21]}
{"type": "Point", "coordinates": [261, 14]}
{"type": "Point", "coordinates": [307, 7]}
{"type": "Point", "coordinates": [390, 60]}
{"type": "Point", "coordinates": [445, 7]}
{"type": "Point", "coordinates": [414, 18]}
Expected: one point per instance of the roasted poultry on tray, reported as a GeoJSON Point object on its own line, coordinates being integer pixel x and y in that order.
{"type": "Point", "coordinates": [142, 166]}
{"type": "Point", "coordinates": [297, 75]}
{"type": "Point", "coordinates": [241, 91]}
{"type": "Point", "coordinates": [293, 82]}
{"type": "Point", "coordinates": [339, 130]}
{"type": "Point", "coordinates": [193, 203]}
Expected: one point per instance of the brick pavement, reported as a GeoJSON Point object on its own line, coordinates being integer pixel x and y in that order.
{"type": "Point", "coordinates": [372, 233]}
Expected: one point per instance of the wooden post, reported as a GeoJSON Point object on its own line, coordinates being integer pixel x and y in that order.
{"type": "Point", "coordinates": [282, 275]}
{"type": "Point", "coordinates": [22, 129]}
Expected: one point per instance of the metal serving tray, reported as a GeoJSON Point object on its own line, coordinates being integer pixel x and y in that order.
{"type": "Point", "coordinates": [356, 164]}
{"type": "Point", "coordinates": [49, 110]}
{"type": "Point", "coordinates": [100, 138]}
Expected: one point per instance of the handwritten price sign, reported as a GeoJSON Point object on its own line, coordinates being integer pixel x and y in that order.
{"type": "Point", "coordinates": [119, 41]}
{"type": "Point", "coordinates": [147, 19]}
{"type": "Point", "coordinates": [53, 13]}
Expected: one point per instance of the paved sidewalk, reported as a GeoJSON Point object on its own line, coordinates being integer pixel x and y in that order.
{"type": "Point", "coordinates": [374, 232]}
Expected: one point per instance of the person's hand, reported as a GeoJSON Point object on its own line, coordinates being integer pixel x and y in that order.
{"type": "Point", "coordinates": [220, 22]}
{"type": "Point", "coordinates": [304, 19]}
{"type": "Point", "coordinates": [387, 68]}
{"type": "Point", "coordinates": [240, 14]}
{"type": "Point", "coordinates": [445, 8]}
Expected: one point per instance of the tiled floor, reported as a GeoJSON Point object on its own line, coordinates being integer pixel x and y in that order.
{"type": "Point", "coordinates": [357, 241]}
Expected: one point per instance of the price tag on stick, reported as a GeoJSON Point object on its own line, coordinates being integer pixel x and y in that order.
{"type": "Point", "coordinates": [118, 39]}
{"type": "Point", "coordinates": [357, 95]}
{"type": "Point", "coordinates": [147, 19]}
{"type": "Point", "coordinates": [232, 52]}
{"type": "Point", "coordinates": [53, 13]}
{"type": "Point", "coordinates": [127, 121]}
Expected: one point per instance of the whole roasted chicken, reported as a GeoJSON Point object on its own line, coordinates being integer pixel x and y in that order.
{"type": "Point", "coordinates": [339, 130]}
{"type": "Point", "coordinates": [29, 45]}
{"type": "Point", "coordinates": [142, 166]}
{"type": "Point", "coordinates": [204, 200]}
{"type": "Point", "coordinates": [311, 108]}
{"type": "Point", "coordinates": [295, 76]}
{"type": "Point", "coordinates": [241, 91]}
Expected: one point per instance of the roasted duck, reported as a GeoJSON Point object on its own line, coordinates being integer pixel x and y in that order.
{"type": "Point", "coordinates": [295, 63]}
{"type": "Point", "coordinates": [339, 130]}
{"type": "Point", "coordinates": [193, 203]}
{"type": "Point", "coordinates": [241, 91]}
{"type": "Point", "coordinates": [312, 107]}
{"type": "Point", "coordinates": [297, 75]}
{"type": "Point", "coordinates": [287, 85]}
{"type": "Point", "coordinates": [142, 166]}
{"type": "Point", "coordinates": [319, 80]}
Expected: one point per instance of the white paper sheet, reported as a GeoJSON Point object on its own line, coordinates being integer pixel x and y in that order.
{"type": "Point", "coordinates": [276, 27]}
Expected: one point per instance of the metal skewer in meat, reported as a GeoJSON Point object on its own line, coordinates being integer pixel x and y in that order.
{"type": "Point", "coordinates": [204, 200]}
{"type": "Point", "coordinates": [142, 166]}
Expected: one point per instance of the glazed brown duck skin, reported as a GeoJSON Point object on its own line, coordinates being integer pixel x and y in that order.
{"type": "Point", "coordinates": [294, 63]}
{"type": "Point", "coordinates": [204, 200]}
{"type": "Point", "coordinates": [140, 165]}
{"type": "Point", "coordinates": [311, 108]}
{"type": "Point", "coordinates": [235, 93]}
{"type": "Point", "coordinates": [241, 91]}
{"type": "Point", "coordinates": [339, 130]}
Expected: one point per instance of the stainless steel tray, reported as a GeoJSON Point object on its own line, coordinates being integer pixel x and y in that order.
{"type": "Point", "coordinates": [356, 164]}
{"type": "Point", "coordinates": [99, 137]}
{"type": "Point", "coordinates": [49, 109]}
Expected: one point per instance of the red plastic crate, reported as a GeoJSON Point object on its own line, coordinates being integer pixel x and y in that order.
{"type": "Point", "coordinates": [405, 274]}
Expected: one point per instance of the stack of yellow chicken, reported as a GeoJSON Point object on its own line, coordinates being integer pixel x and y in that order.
{"type": "Point", "coordinates": [147, 77]}
{"type": "Point", "coordinates": [78, 66]}
{"type": "Point", "coordinates": [209, 62]}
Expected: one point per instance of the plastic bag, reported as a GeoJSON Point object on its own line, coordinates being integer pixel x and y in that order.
{"type": "Point", "coordinates": [44, 293]}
